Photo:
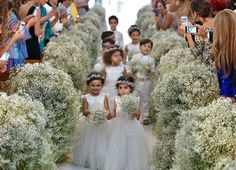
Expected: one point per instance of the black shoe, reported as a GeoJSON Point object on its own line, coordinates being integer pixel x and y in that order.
{"type": "Point", "coordinates": [146, 121]}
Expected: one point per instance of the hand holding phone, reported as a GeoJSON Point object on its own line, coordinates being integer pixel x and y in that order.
{"type": "Point", "coordinates": [191, 29]}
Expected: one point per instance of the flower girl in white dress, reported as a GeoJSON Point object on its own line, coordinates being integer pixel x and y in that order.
{"type": "Point", "coordinates": [127, 148]}
{"type": "Point", "coordinates": [114, 68]}
{"type": "Point", "coordinates": [91, 147]}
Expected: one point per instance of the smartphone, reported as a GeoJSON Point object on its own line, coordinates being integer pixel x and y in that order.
{"type": "Point", "coordinates": [156, 12]}
{"type": "Point", "coordinates": [191, 29]}
{"type": "Point", "coordinates": [5, 56]}
{"type": "Point", "coordinates": [184, 20]}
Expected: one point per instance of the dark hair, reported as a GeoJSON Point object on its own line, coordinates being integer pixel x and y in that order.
{"type": "Point", "coordinates": [110, 40]}
{"type": "Point", "coordinates": [146, 41]}
{"type": "Point", "coordinates": [106, 34]}
{"type": "Point", "coordinates": [162, 2]}
{"type": "Point", "coordinates": [128, 80]}
{"type": "Point", "coordinates": [133, 28]}
{"type": "Point", "coordinates": [14, 6]}
{"type": "Point", "coordinates": [0, 19]}
{"type": "Point", "coordinates": [109, 52]}
{"type": "Point", "coordinates": [95, 76]}
{"type": "Point", "coordinates": [201, 7]}
{"type": "Point", "coordinates": [113, 17]}
{"type": "Point", "coordinates": [231, 5]}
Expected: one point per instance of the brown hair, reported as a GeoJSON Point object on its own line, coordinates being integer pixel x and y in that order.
{"type": "Point", "coordinates": [224, 41]}
{"type": "Point", "coordinates": [4, 14]}
{"type": "Point", "coordinates": [146, 41]}
{"type": "Point", "coordinates": [201, 7]}
{"type": "Point", "coordinates": [109, 52]}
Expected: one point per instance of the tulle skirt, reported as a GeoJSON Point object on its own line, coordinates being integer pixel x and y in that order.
{"type": "Point", "coordinates": [91, 147]}
{"type": "Point", "coordinates": [127, 148]}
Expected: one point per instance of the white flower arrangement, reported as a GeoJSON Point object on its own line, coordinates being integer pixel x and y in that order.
{"type": "Point", "coordinates": [93, 18]}
{"type": "Point", "coordinates": [100, 11]}
{"type": "Point", "coordinates": [24, 142]}
{"type": "Point", "coordinates": [163, 41]}
{"type": "Point", "coordinates": [209, 140]}
{"type": "Point", "coordinates": [143, 10]}
{"type": "Point", "coordinates": [55, 90]}
{"type": "Point", "coordinates": [215, 133]}
{"type": "Point", "coordinates": [129, 104]}
{"type": "Point", "coordinates": [98, 116]}
{"type": "Point", "coordinates": [188, 86]}
{"type": "Point", "coordinates": [69, 58]}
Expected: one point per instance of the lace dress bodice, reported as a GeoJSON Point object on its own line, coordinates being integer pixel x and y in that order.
{"type": "Point", "coordinates": [95, 101]}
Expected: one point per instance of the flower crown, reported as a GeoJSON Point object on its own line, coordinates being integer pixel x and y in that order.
{"type": "Point", "coordinates": [97, 76]}
{"type": "Point", "coordinates": [114, 48]}
{"type": "Point", "coordinates": [131, 84]}
{"type": "Point", "coordinates": [132, 28]}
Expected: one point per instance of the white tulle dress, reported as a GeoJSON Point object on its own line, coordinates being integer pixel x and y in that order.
{"type": "Point", "coordinates": [91, 147]}
{"type": "Point", "coordinates": [127, 148]}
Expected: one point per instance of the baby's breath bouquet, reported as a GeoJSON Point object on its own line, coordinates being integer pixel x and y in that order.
{"type": "Point", "coordinates": [97, 116]}
{"type": "Point", "coordinates": [129, 103]}
{"type": "Point", "coordinates": [140, 67]}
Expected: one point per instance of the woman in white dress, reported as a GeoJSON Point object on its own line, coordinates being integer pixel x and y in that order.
{"type": "Point", "coordinates": [91, 147]}
{"type": "Point", "coordinates": [127, 149]}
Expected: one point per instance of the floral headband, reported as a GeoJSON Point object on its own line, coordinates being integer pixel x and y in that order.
{"type": "Point", "coordinates": [97, 76]}
{"type": "Point", "coordinates": [131, 29]}
{"type": "Point", "coordinates": [115, 48]}
{"type": "Point", "coordinates": [125, 82]}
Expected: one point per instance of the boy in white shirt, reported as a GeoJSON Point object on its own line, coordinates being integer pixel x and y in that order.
{"type": "Point", "coordinates": [113, 22]}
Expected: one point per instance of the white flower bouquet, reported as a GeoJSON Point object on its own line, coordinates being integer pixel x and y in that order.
{"type": "Point", "coordinates": [140, 67]}
{"type": "Point", "coordinates": [129, 104]}
{"type": "Point", "coordinates": [97, 116]}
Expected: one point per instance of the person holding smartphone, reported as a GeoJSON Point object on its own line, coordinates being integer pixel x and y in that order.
{"type": "Point", "coordinates": [164, 18]}
{"type": "Point", "coordinates": [198, 40]}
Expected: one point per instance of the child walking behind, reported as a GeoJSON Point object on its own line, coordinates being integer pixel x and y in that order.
{"type": "Point", "coordinates": [146, 65]}
{"type": "Point", "coordinates": [92, 143]}
{"type": "Point", "coordinates": [113, 22]}
{"type": "Point", "coordinates": [127, 149]}
{"type": "Point", "coordinates": [133, 47]}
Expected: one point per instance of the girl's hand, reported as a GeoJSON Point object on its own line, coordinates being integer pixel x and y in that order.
{"type": "Point", "coordinates": [158, 19]}
{"type": "Point", "coordinates": [109, 116]}
{"type": "Point", "coordinates": [87, 113]}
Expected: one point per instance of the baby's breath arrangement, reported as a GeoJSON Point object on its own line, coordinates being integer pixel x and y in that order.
{"type": "Point", "coordinates": [97, 116]}
{"type": "Point", "coordinates": [129, 104]}
{"type": "Point", "coordinates": [55, 90]}
{"type": "Point", "coordinates": [163, 41]}
{"type": "Point", "coordinates": [188, 86]}
{"type": "Point", "coordinates": [69, 58]}
{"type": "Point", "coordinates": [24, 142]}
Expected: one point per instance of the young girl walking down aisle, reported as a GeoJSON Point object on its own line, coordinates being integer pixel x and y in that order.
{"type": "Point", "coordinates": [127, 149]}
{"type": "Point", "coordinates": [92, 143]}
{"type": "Point", "coordinates": [114, 68]}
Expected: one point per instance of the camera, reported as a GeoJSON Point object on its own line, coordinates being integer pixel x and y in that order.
{"type": "Point", "coordinates": [191, 29]}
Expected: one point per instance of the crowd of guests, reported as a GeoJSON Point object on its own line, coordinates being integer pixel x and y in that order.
{"type": "Point", "coordinates": [27, 26]}
{"type": "Point", "coordinates": [213, 37]}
